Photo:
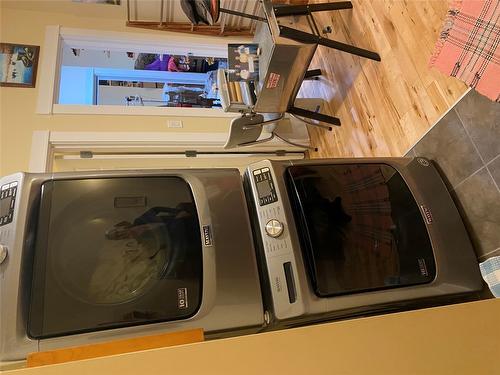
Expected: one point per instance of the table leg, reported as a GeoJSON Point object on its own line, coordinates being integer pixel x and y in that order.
{"type": "Point", "coordinates": [315, 116]}
{"type": "Point", "coordinates": [304, 37]}
{"type": "Point", "coordinates": [295, 10]}
{"type": "Point", "coordinates": [244, 15]}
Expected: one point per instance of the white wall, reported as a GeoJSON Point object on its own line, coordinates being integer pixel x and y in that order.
{"type": "Point", "coordinates": [115, 95]}
{"type": "Point", "coordinates": [97, 59]}
{"type": "Point", "coordinates": [77, 85]}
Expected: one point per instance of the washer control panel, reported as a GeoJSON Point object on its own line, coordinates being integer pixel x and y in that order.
{"type": "Point", "coordinates": [8, 194]}
{"type": "Point", "coordinates": [278, 249]}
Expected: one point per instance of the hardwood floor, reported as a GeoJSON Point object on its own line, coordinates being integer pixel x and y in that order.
{"type": "Point", "coordinates": [385, 107]}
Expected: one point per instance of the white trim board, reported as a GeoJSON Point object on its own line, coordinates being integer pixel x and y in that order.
{"type": "Point", "coordinates": [41, 154]}
{"type": "Point", "coordinates": [177, 43]}
{"type": "Point", "coordinates": [56, 37]}
{"type": "Point", "coordinates": [48, 69]}
{"type": "Point", "coordinates": [119, 110]}
{"type": "Point", "coordinates": [46, 143]}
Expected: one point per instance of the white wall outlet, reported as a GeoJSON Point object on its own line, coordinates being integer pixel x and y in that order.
{"type": "Point", "coordinates": [174, 123]}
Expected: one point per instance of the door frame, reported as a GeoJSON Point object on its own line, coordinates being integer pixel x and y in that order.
{"type": "Point", "coordinates": [56, 36]}
{"type": "Point", "coordinates": [45, 144]}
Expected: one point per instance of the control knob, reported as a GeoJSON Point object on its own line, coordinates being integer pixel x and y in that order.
{"type": "Point", "coordinates": [274, 228]}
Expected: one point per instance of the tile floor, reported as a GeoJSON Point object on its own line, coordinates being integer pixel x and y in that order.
{"type": "Point", "coordinates": [465, 145]}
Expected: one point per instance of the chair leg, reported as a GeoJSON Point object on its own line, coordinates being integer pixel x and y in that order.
{"type": "Point", "coordinates": [296, 10]}
{"type": "Point", "coordinates": [294, 111]}
{"type": "Point", "coordinates": [313, 73]}
{"type": "Point", "coordinates": [293, 143]}
{"type": "Point", "coordinates": [301, 36]}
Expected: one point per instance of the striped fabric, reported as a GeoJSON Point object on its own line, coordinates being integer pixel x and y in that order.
{"type": "Point", "coordinates": [467, 46]}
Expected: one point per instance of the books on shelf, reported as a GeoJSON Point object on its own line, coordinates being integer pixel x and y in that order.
{"type": "Point", "coordinates": [243, 62]}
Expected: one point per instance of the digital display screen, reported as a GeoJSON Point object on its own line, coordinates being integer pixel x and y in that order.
{"type": "Point", "coordinates": [5, 206]}
{"type": "Point", "coordinates": [263, 188]}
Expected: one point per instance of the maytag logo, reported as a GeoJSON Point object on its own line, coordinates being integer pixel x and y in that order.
{"type": "Point", "coordinates": [423, 267]}
{"type": "Point", "coordinates": [424, 162]}
{"type": "Point", "coordinates": [182, 302]}
{"type": "Point", "coordinates": [207, 235]}
{"type": "Point", "coordinates": [427, 214]}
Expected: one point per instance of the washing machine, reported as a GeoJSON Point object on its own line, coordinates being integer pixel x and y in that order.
{"type": "Point", "coordinates": [344, 237]}
{"type": "Point", "coordinates": [93, 257]}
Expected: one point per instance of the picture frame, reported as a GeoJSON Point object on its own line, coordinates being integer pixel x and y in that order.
{"type": "Point", "coordinates": [18, 64]}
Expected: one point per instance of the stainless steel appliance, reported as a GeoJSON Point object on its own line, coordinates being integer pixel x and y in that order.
{"type": "Point", "coordinates": [89, 257]}
{"type": "Point", "coordinates": [343, 237]}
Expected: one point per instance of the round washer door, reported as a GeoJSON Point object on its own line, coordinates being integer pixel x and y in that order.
{"type": "Point", "coordinates": [114, 252]}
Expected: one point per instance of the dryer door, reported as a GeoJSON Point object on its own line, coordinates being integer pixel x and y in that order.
{"type": "Point", "coordinates": [114, 252]}
{"type": "Point", "coordinates": [360, 228]}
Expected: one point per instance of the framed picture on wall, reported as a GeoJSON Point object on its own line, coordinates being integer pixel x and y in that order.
{"type": "Point", "coordinates": [18, 64]}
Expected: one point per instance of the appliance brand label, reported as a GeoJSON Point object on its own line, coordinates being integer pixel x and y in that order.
{"type": "Point", "coordinates": [423, 267]}
{"type": "Point", "coordinates": [423, 162]}
{"type": "Point", "coordinates": [273, 80]}
{"type": "Point", "coordinates": [182, 302]}
{"type": "Point", "coordinates": [207, 235]}
{"type": "Point", "coordinates": [427, 214]}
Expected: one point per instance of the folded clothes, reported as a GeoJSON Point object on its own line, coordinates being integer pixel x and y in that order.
{"type": "Point", "coordinates": [490, 269]}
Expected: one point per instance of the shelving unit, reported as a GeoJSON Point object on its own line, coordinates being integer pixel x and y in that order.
{"type": "Point", "coordinates": [167, 15]}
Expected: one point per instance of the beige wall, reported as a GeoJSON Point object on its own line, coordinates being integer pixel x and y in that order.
{"type": "Point", "coordinates": [25, 22]}
{"type": "Point", "coordinates": [456, 339]}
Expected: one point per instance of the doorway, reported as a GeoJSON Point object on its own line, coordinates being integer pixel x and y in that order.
{"type": "Point", "coordinates": [109, 77]}
{"type": "Point", "coordinates": [60, 40]}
